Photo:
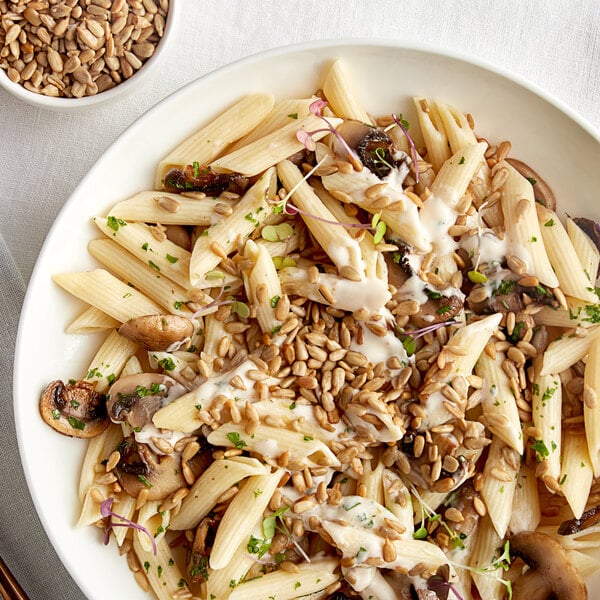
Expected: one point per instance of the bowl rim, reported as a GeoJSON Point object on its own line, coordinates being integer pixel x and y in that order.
{"type": "Point", "coordinates": [126, 86]}
{"type": "Point", "coordinates": [132, 129]}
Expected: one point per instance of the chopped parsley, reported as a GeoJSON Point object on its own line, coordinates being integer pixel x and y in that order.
{"type": "Point", "coordinates": [144, 481]}
{"type": "Point", "coordinates": [172, 259]}
{"type": "Point", "coordinates": [541, 449]}
{"type": "Point", "coordinates": [115, 223]}
{"type": "Point", "coordinates": [234, 438]}
{"type": "Point", "coordinates": [274, 300]}
{"type": "Point", "coordinates": [76, 423]}
{"type": "Point", "coordinates": [166, 363]}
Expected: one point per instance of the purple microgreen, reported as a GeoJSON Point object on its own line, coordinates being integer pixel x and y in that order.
{"type": "Point", "coordinates": [413, 150]}
{"type": "Point", "coordinates": [316, 107]}
{"type": "Point", "coordinates": [439, 584]}
{"type": "Point", "coordinates": [417, 333]}
{"type": "Point", "coordinates": [214, 304]}
{"type": "Point", "coordinates": [305, 137]}
{"type": "Point", "coordinates": [107, 513]}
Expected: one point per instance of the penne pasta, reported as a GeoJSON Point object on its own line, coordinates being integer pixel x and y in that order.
{"type": "Point", "coordinates": [207, 143]}
{"type": "Point", "coordinates": [107, 293]}
{"type": "Point", "coordinates": [240, 517]}
{"type": "Point", "coordinates": [252, 210]}
{"type": "Point", "coordinates": [271, 149]}
{"type": "Point", "coordinates": [565, 262]}
{"type": "Point", "coordinates": [171, 209]}
{"type": "Point", "coordinates": [92, 320]}
{"type": "Point", "coordinates": [576, 471]}
{"type": "Point", "coordinates": [341, 95]}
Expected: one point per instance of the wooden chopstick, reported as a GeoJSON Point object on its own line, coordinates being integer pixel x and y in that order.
{"type": "Point", "coordinates": [9, 586]}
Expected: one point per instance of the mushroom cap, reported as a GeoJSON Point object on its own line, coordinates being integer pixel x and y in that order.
{"type": "Point", "coordinates": [158, 332]}
{"type": "Point", "coordinates": [135, 398]}
{"type": "Point", "coordinates": [74, 409]}
{"type": "Point", "coordinates": [548, 564]}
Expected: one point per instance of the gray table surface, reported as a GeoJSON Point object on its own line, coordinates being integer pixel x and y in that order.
{"type": "Point", "coordinates": [43, 155]}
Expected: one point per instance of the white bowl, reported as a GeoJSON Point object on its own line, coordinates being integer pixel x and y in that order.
{"type": "Point", "coordinates": [387, 75]}
{"type": "Point", "coordinates": [111, 95]}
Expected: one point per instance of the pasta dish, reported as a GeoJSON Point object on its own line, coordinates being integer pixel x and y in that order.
{"type": "Point", "coordinates": [345, 356]}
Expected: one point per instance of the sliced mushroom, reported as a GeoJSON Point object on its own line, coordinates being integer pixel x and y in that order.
{"type": "Point", "coordinates": [203, 179]}
{"type": "Point", "coordinates": [201, 547]}
{"type": "Point", "coordinates": [140, 468]}
{"type": "Point", "coordinates": [179, 235]}
{"type": "Point", "coordinates": [589, 518]}
{"type": "Point", "coordinates": [74, 409]}
{"type": "Point", "coordinates": [437, 309]}
{"type": "Point", "coordinates": [158, 332]}
{"type": "Point", "coordinates": [135, 398]}
{"type": "Point", "coordinates": [551, 575]}
{"type": "Point", "coordinates": [543, 192]}
{"type": "Point", "coordinates": [508, 297]}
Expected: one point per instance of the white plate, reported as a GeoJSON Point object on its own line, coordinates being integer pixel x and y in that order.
{"type": "Point", "coordinates": [550, 137]}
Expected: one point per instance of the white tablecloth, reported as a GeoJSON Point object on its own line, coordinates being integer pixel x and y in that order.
{"type": "Point", "coordinates": [43, 155]}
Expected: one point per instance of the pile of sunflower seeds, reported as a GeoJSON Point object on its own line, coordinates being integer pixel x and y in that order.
{"type": "Point", "coordinates": [76, 48]}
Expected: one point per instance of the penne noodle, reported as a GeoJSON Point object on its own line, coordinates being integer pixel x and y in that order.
{"type": "Point", "coordinates": [341, 95]}
{"type": "Point", "coordinates": [499, 404]}
{"type": "Point", "coordinates": [526, 512]}
{"type": "Point", "coordinates": [565, 351]}
{"type": "Point", "coordinates": [221, 239]}
{"type": "Point", "coordinates": [434, 133]}
{"type": "Point", "coordinates": [239, 519]}
{"type": "Point", "coordinates": [546, 405]}
{"type": "Point", "coordinates": [169, 295]}
{"type": "Point", "coordinates": [163, 574]}
{"type": "Point", "coordinates": [263, 287]}
{"type": "Point", "coordinates": [576, 473]}
{"type": "Point", "coordinates": [92, 320]}
{"type": "Point", "coordinates": [523, 228]}
{"type": "Point", "coordinates": [284, 112]}
{"type": "Point", "coordinates": [207, 143]}
{"type": "Point", "coordinates": [591, 407]}
{"type": "Point", "coordinates": [499, 483]}
{"type": "Point", "coordinates": [271, 149]}
{"type": "Point", "coordinates": [271, 443]}
{"type": "Point", "coordinates": [216, 480]}
{"type": "Point", "coordinates": [342, 249]}
{"type": "Point", "coordinates": [110, 359]}
{"type": "Point", "coordinates": [311, 577]}
{"type": "Point", "coordinates": [107, 293]}
{"type": "Point", "coordinates": [171, 209]}
{"type": "Point", "coordinates": [570, 273]}
{"type": "Point", "coordinates": [456, 173]}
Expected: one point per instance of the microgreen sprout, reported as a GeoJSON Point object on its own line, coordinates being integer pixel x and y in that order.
{"type": "Point", "coordinates": [440, 584]}
{"type": "Point", "coordinates": [270, 525]}
{"type": "Point", "coordinates": [107, 513]}
{"type": "Point", "coordinates": [306, 137]}
{"type": "Point", "coordinates": [408, 338]}
{"type": "Point", "coordinates": [502, 562]}
{"type": "Point", "coordinates": [237, 306]}
{"type": "Point", "coordinates": [427, 513]}
{"type": "Point", "coordinates": [284, 206]}
{"type": "Point", "coordinates": [403, 125]}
